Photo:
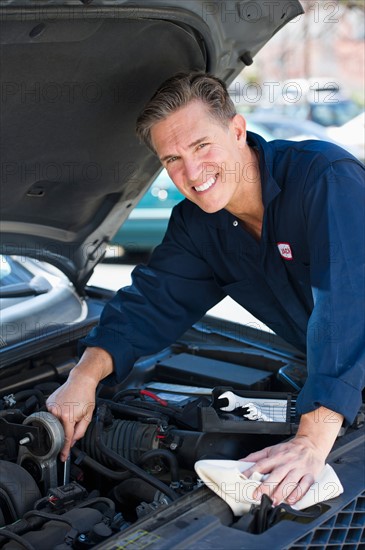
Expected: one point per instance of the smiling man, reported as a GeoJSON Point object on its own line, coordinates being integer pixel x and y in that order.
{"type": "Point", "coordinates": [211, 164]}
{"type": "Point", "coordinates": [279, 227]}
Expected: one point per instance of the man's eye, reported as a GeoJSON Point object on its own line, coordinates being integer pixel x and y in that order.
{"type": "Point", "coordinates": [170, 160]}
{"type": "Point", "coordinates": [202, 145]}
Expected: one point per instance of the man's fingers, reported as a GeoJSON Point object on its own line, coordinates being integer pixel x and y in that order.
{"type": "Point", "coordinates": [73, 432]}
{"type": "Point", "coordinates": [69, 428]}
{"type": "Point", "coordinates": [305, 483]}
{"type": "Point", "coordinates": [80, 429]}
{"type": "Point", "coordinates": [267, 465]}
{"type": "Point", "coordinates": [254, 457]}
{"type": "Point", "coordinates": [66, 449]}
{"type": "Point", "coordinates": [253, 469]}
{"type": "Point", "coordinates": [289, 488]}
{"type": "Point", "coordinates": [270, 484]}
{"type": "Point", "coordinates": [53, 408]}
{"type": "Point", "coordinates": [280, 484]}
{"type": "Point", "coordinates": [258, 455]}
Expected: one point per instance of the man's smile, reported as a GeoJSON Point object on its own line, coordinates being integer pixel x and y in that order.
{"type": "Point", "coordinates": [207, 185]}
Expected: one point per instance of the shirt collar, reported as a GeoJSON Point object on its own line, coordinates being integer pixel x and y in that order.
{"type": "Point", "coordinates": [270, 187]}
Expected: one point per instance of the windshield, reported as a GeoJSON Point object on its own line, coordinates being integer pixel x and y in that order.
{"type": "Point", "coordinates": [334, 114]}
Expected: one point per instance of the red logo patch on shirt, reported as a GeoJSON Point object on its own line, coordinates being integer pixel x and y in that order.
{"type": "Point", "coordinates": [285, 251]}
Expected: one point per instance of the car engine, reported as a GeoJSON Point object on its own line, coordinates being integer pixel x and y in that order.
{"type": "Point", "coordinates": [138, 454]}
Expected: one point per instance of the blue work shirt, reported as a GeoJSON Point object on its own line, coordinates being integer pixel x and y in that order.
{"type": "Point", "coordinates": [304, 278]}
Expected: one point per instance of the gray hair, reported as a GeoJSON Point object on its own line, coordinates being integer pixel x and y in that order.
{"type": "Point", "coordinates": [177, 92]}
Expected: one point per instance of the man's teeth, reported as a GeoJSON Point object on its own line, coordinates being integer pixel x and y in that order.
{"type": "Point", "coordinates": [206, 185]}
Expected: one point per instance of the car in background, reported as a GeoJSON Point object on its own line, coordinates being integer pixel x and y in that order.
{"type": "Point", "coordinates": [145, 227]}
{"type": "Point", "coordinates": [320, 100]}
{"type": "Point", "coordinates": [353, 134]}
{"type": "Point", "coordinates": [284, 127]}
{"type": "Point", "coordinates": [332, 114]}
{"type": "Point", "coordinates": [293, 128]}
{"type": "Point", "coordinates": [147, 223]}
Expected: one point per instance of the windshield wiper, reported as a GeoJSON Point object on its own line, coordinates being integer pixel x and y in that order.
{"type": "Point", "coordinates": [36, 286]}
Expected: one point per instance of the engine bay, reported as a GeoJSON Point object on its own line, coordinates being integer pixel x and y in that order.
{"type": "Point", "coordinates": [193, 401]}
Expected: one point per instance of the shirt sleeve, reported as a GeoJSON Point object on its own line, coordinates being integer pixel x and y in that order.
{"type": "Point", "coordinates": [165, 298]}
{"type": "Point", "coordinates": [334, 206]}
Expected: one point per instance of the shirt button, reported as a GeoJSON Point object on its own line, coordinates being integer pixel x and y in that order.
{"type": "Point", "coordinates": [235, 223]}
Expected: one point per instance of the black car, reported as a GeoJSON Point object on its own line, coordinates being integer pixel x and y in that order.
{"type": "Point", "coordinates": [74, 77]}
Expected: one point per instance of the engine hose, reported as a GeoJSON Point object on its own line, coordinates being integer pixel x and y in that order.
{"type": "Point", "coordinates": [164, 409]}
{"type": "Point", "coordinates": [12, 536]}
{"type": "Point", "coordinates": [127, 438]}
{"type": "Point", "coordinates": [170, 458]}
{"type": "Point", "coordinates": [125, 393]}
{"type": "Point", "coordinates": [24, 394]}
{"type": "Point", "coordinates": [126, 464]}
{"type": "Point", "coordinates": [133, 491]}
{"type": "Point", "coordinates": [22, 526]}
{"type": "Point", "coordinates": [48, 516]}
{"type": "Point", "coordinates": [95, 465]}
{"type": "Point", "coordinates": [156, 408]}
{"type": "Point", "coordinates": [132, 410]}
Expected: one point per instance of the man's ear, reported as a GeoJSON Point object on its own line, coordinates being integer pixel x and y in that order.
{"type": "Point", "coordinates": [238, 125]}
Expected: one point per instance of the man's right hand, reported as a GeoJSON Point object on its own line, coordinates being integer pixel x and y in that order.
{"type": "Point", "coordinates": [74, 402]}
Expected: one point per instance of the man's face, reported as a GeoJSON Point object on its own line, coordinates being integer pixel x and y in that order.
{"type": "Point", "coordinates": [204, 159]}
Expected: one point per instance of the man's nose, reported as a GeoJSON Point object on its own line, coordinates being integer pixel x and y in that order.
{"type": "Point", "coordinates": [193, 170]}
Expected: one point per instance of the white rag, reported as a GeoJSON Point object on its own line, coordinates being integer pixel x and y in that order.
{"type": "Point", "coordinates": [226, 479]}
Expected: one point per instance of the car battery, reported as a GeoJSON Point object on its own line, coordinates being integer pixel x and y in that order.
{"type": "Point", "coordinates": [203, 371]}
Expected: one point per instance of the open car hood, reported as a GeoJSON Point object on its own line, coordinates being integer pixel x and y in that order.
{"type": "Point", "coordinates": [74, 78]}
